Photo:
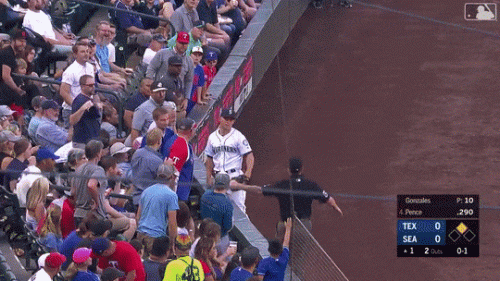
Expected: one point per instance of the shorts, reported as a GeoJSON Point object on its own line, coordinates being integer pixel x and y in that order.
{"type": "Point", "coordinates": [120, 224]}
{"type": "Point", "coordinates": [147, 241]}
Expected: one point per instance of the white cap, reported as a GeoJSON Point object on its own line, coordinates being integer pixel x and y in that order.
{"type": "Point", "coordinates": [5, 111]}
{"type": "Point", "coordinates": [41, 260]}
{"type": "Point", "coordinates": [197, 49]}
{"type": "Point", "coordinates": [118, 147]}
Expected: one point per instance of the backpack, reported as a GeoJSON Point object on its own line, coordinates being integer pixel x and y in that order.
{"type": "Point", "coordinates": [189, 274]}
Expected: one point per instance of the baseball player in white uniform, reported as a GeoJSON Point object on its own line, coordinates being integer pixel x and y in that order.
{"type": "Point", "coordinates": [226, 149]}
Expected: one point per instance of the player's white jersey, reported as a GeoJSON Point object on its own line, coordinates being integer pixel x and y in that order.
{"type": "Point", "coordinates": [227, 151]}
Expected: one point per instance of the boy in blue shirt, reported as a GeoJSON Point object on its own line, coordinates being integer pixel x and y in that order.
{"type": "Point", "coordinates": [273, 268]}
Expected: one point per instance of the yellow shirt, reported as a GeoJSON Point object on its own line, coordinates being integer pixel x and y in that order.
{"type": "Point", "coordinates": [179, 269]}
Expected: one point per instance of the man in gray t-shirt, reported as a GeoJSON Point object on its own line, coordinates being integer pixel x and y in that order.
{"type": "Point", "coordinates": [89, 184]}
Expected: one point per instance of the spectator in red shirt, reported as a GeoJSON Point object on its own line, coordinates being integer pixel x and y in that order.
{"type": "Point", "coordinates": [122, 255]}
{"type": "Point", "coordinates": [209, 67]}
{"type": "Point", "coordinates": [180, 153]}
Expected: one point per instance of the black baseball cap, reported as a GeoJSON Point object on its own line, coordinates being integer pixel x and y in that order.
{"type": "Point", "coordinates": [175, 60]}
{"type": "Point", "coordinates": [295, 165]}
{"type": "Point", "coordinates": [228, 113]}
{"type": "Point", "coordinates": [111, 273]}
{"type": "Point", "coordinates": [19, 34]}
{"type": "Point", "coordinates": [157, 86]}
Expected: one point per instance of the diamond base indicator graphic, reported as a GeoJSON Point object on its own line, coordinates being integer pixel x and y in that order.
{"type": "Point", "coordinates": [438, 226]}
{"type": "Point", "coordinates": [480, 11]}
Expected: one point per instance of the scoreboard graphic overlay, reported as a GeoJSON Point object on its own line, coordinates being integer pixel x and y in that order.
{"type": "Point", "coordinates": [438, 226]}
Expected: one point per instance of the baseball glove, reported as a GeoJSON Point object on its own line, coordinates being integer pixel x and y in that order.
{"type": "Point", "coordinates": [242, 179]}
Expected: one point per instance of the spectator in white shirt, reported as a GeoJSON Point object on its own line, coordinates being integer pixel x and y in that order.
{"type": "Point", "coordinates": [70, 86]}
{"type": "Point", "coordinates": [38, 21]}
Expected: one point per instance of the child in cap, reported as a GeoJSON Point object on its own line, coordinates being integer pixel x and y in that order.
{"type": "Point", "coordinates": [209, 68]}
{"type": "Point", "coordinates": [79, 269]}
{"type": "Point", "coordinates": [198, 92]}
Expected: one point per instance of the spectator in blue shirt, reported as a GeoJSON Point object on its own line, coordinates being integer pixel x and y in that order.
{"type": "Point", "coordinates": [158, 207]}
{"type": "Point", "coordinates": [137, 33]}
{"type": "Point", "coordinates": [137, 99]}
{"type": "Point", "coordinates": [273, 268]}
{"type": "Point", "coordinates": [85, 113]}
{"type": "Point", "coordinates": [48, 134]}
{"type": "Point", "coordinates": [214, 204]}
{"type": "Point", "coordinates": [249, 260]}
{"type": "Point", "coordinates": [145, 163]}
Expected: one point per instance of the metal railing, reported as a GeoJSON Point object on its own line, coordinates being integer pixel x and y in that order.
{"type": "Point", "coordinates": [122, 10]}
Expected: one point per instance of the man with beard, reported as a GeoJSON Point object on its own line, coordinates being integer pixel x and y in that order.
{"type": "Point", "coordinates": [103, 38]}
{"type": "Point", "coordinates": [9, 91]}
{"type": "Point", "coordinates": [48, 134]}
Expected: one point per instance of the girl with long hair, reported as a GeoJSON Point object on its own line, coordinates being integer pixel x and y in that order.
{"type": "Point", "coordinates": [50, 230]}
{"type": "Point", "coordinates": [35, 202]}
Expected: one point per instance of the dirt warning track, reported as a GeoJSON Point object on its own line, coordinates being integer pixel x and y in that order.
{"type": "Point", "coordinates": [382, 99]}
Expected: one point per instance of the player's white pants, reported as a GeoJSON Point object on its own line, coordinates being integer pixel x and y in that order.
{"type": "Point", "coordinates": [239, 198]}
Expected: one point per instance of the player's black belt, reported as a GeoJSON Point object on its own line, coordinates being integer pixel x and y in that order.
{"type": "Point", "coordinates": [228, 171]}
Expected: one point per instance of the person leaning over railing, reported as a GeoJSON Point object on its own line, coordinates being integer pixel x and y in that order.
{"type": "Point", "coordinates": [273, 267]}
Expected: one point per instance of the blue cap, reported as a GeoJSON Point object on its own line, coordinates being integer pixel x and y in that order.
{"type": "Point", "coordinates": [100, 245]}
{"type": "Point", "coordinates": [210, 56]}
{"type": "Point", "coordinates": [44, 153]}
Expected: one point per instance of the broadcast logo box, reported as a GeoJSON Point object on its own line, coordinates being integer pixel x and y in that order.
{"type": "Point", "coordinates": [480, 11]}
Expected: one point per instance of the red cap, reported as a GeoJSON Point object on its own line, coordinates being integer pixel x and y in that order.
{"type": "Point", "coordinates": [54, 260]}
{"type": "Point", "coordinates": [183, 37]}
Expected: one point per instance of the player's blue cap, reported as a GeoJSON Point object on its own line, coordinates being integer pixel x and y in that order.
{"type": "Point", "coordinates": [210, 56]}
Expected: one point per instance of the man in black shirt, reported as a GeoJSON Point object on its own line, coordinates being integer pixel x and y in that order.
{"type": "Point", "coordinates": [305, 192]}
{"type": "Point", "coordinates": [9, 91]}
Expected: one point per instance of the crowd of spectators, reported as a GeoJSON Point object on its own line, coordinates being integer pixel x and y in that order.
{"type": "Point", "coordinates": [88, 234]}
